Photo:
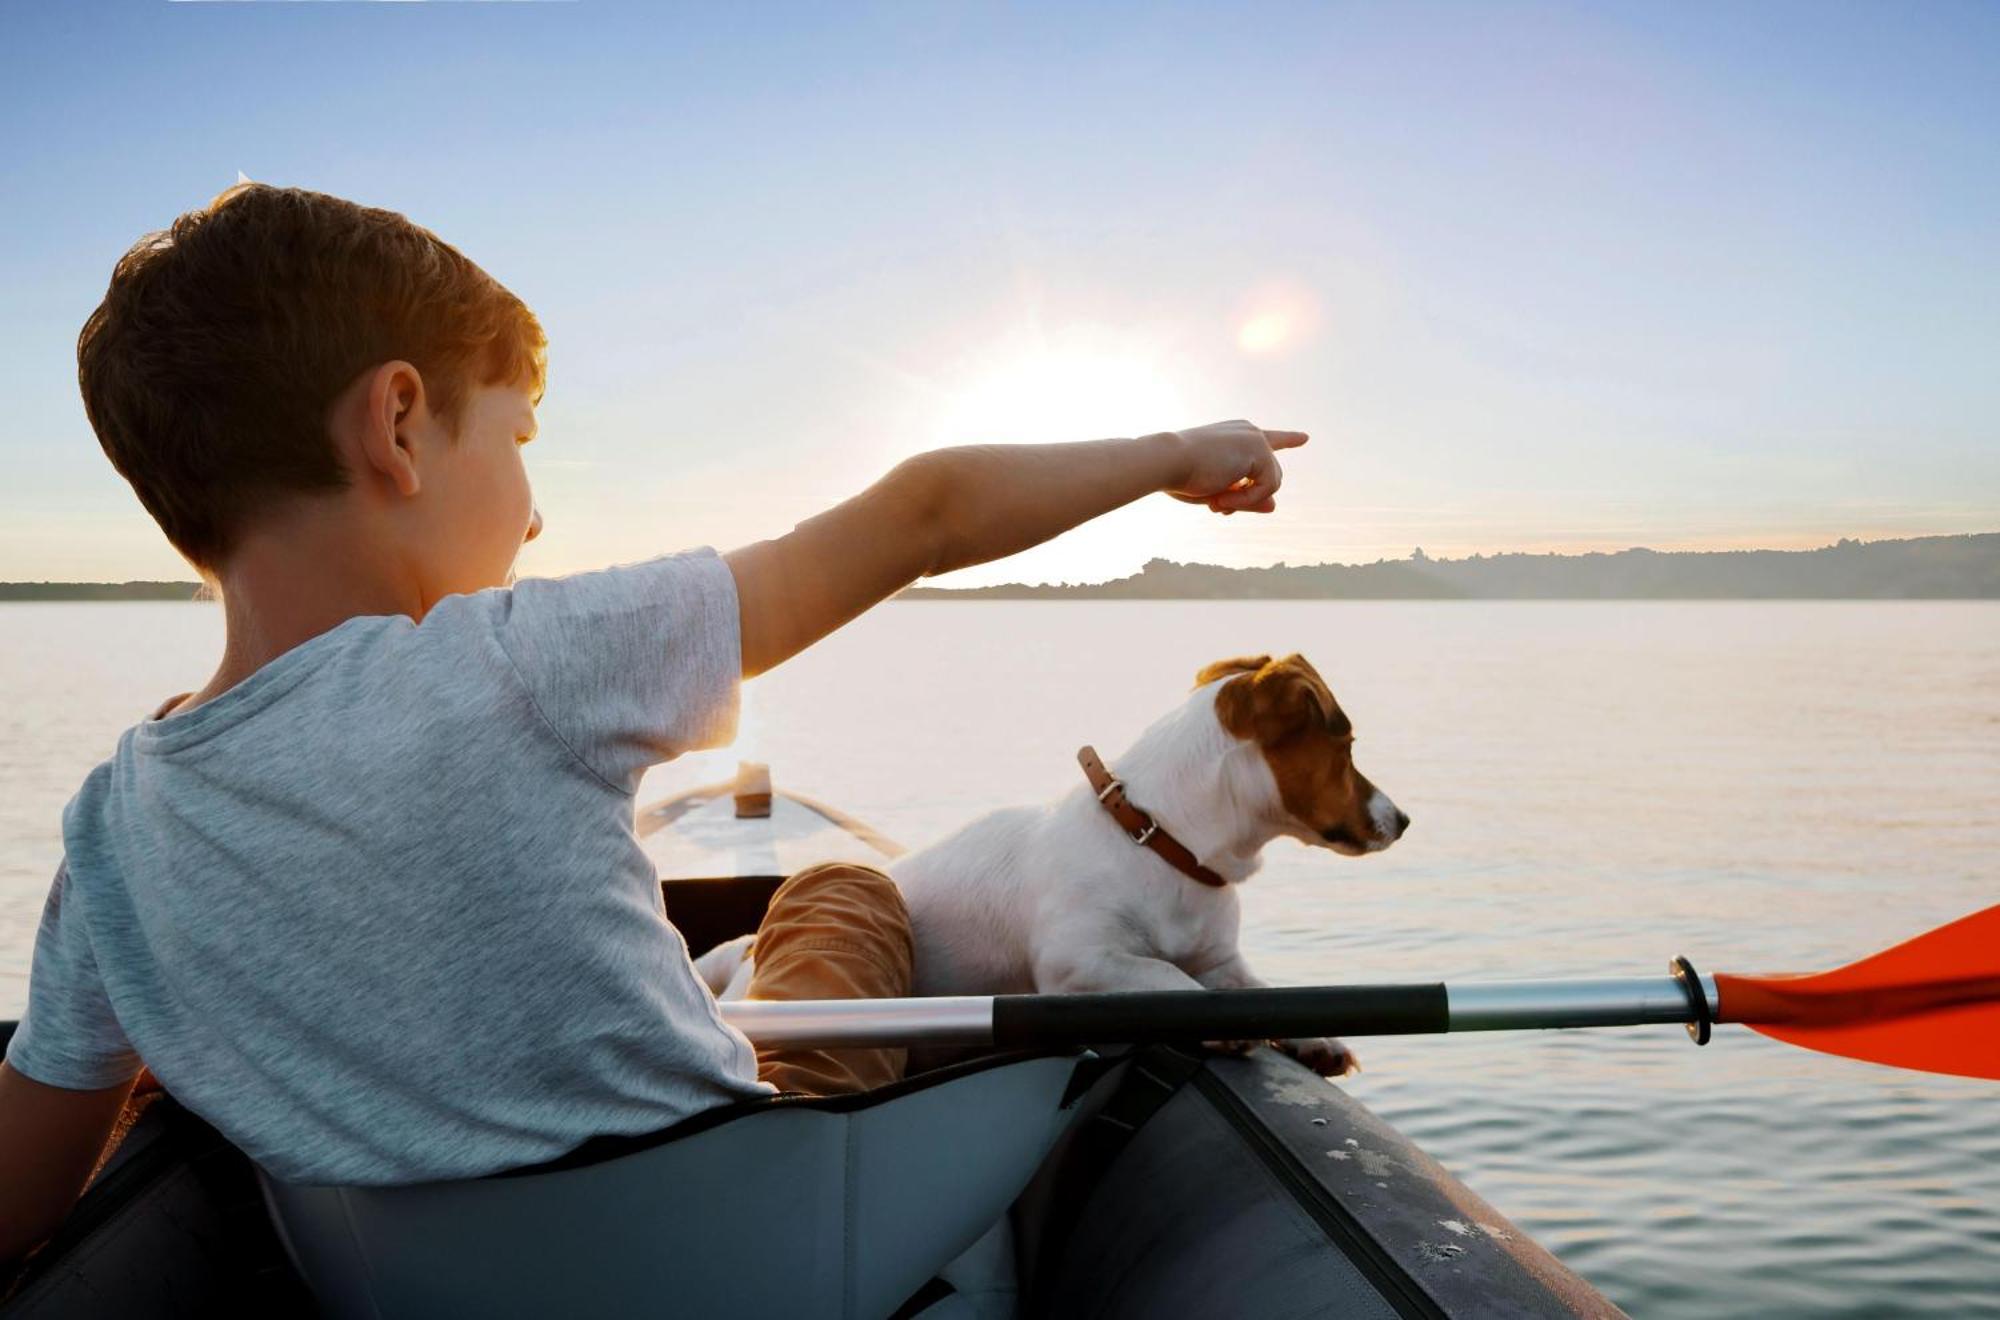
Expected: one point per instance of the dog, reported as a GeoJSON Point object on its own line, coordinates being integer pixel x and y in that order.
{"type": "Point", "coordinates": [1064, 897]}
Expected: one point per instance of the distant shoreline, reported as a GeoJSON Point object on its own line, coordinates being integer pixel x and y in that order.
{"type": "Point", "coordinates": [1917, 568]}
{"type": "Point", "coordinates": [52, 591]}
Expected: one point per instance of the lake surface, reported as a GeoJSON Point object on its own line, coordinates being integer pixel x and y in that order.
{"type": "Point", "coordinates": [1594, 787]}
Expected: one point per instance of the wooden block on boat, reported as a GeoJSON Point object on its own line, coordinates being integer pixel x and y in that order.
{"type": "Point", "coordinates": [753, 790]}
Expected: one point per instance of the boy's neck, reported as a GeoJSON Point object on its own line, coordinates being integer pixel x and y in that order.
{"type": "Point", "coordinates": [285, 585]}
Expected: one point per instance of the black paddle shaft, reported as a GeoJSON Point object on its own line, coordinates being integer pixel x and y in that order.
{"type": "Point", "coordinates": [1175, 1016]}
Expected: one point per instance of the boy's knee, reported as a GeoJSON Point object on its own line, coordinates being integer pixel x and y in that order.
{"type": "Point", "coordinates": [841, 928]}
{"type": "Point", "coordinates": [862, 880]}
{"type": "Point", "coordinates": [833, 931]}
{"type": "Point", "coordinates": [842, 894]}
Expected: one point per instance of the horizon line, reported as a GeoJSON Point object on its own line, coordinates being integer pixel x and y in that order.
{"type": "Point", "coordinates": [1416, 555]}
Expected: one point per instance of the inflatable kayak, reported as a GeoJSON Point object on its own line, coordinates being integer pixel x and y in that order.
{"type": "Point", "coordinates": [1107, 1183]}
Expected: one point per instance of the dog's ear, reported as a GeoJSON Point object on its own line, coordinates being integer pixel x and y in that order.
{"type": "Point", "coordinates": [1281, 698]}
{"type": "Point", "coordinates": [1242, 664]}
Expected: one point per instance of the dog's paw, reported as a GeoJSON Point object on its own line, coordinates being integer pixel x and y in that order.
{"type": "Point", "coordinates": [721, 965]}
{"type": "Point", "coordinates": [1233, 1048]}
{"type": "Point", "coordinates": [1324, 1055]}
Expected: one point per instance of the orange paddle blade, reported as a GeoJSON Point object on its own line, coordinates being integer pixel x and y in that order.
{"type": "Point", "coordinates": [1931, 1003]}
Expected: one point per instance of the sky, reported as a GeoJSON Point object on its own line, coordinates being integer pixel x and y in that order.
{"type": "Point", "coordinates": [1534, 276]}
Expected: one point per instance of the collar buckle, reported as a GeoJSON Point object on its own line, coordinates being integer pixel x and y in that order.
{"type": "Point", "coordinates": [1140, 826]}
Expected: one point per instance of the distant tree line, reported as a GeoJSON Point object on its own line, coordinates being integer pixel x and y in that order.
{"type": "Point", "coordinates": [1923, 568]}
{"type": "Point", "coordinates": [99, 590]}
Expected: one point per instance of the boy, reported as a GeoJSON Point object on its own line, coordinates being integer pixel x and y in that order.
{"type": "Point", "coordinates": [369, 901]}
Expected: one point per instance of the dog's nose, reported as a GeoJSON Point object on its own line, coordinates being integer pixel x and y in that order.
{"type": "Point", "coordinates": [1402, 823]}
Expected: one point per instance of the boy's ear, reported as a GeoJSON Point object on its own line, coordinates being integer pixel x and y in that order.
{"type": "Point", "coordinates": [393, 402]}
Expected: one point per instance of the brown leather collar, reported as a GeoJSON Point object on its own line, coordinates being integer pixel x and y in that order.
{"type": "Point", "coordinates": [1138, 826]}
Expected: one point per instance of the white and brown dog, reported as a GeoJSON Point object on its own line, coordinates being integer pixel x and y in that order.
{"type": "Point", "coordinates": [1072, 897]}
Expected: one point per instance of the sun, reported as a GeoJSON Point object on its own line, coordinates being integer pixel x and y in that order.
{"type": "Point", "coordinates": [1080, 386]}
{"type": "Point", "coordinates": [1084, 381]}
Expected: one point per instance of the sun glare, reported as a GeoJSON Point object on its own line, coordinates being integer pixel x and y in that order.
{"type": "Point", "coordinates": [1274, 318]}
{"type": "Point", "coordinates": [1264, 332]}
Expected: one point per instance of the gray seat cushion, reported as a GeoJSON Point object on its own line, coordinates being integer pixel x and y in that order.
{"type": "Point", "coordinates": [819, 1208]}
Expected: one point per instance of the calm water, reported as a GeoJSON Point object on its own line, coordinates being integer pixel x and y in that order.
{"type": "Point", "coordinates": [1595, 788]}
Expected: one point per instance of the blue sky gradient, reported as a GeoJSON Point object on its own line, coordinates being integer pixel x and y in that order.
{"type": "Point", "coordinates": [1556, 276]}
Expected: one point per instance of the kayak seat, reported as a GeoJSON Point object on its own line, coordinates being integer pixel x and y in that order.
{"type": "Point", "coordinates": [799, 1207]}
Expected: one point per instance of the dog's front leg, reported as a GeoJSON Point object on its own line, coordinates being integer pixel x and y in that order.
{"type": "Point", "coordinates": [1102, 970]}
{"type": "Point", "coordinates": [1323, 1054]}
{"type": "Point", "coordinates": [1088, 970]}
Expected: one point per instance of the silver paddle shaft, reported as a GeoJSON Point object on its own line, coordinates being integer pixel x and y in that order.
{"type": "Point", "coordinates": [826, 1023]}
{"type": "Point", "coordinates": [1105, 1018]}
{"type": "Point", "coordinates": [1635, 1001]}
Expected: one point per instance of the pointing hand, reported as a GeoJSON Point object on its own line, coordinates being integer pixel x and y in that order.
{"type": "Point", "coordinates": [1232, 466]}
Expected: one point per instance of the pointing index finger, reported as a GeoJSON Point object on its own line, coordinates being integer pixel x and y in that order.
{"type": "Point", "coordinates": [1285, 439]}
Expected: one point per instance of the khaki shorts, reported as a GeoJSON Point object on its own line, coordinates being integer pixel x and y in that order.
{"type": "Point", "coordinates": [833, 931]}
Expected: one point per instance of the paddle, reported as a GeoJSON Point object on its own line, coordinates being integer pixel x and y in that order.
{"type": "Point", "coordinates": [1931, 1003]}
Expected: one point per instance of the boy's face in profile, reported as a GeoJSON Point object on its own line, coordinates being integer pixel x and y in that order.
{"type": "Point", "coordinates": [480, 509]}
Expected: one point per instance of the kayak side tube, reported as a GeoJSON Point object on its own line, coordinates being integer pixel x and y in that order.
{"type": "Point", "coordinates": [1254, 1188]}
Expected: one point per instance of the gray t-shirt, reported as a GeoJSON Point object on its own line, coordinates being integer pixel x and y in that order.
{"type": "Point", "coordinates": [377, 912]}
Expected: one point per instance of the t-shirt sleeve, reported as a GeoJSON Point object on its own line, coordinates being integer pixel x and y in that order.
{"type": "Point", "coordinates": [68, 1036]}
{"type": "Point", "coordinates": [631, 665]}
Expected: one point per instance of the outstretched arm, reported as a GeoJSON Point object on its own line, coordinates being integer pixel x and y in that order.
{"type": "Point", "coordinates": [952, 508]}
